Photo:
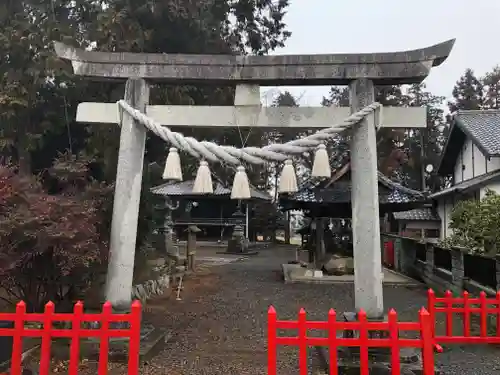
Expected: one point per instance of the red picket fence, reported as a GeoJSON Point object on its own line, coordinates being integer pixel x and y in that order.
{"type": "Point", "coordinates": [75, 333]}
{"type": "Point", "coordinates": [393, 327]}
{"type": "Point", "coordinates": [466, 307]}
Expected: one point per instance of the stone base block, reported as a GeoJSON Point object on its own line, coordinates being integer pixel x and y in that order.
{"type": "Point", "coordinates": [237, 245]}
{"type": "Point", "coordinates": [379, 358]}
{"type": "Point", "coordinates": [152, 341]}
{"type": "Point", "coordinates": [349, 364]}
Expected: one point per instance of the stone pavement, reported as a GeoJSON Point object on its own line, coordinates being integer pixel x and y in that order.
{"type": "Point", "coordinates": [221, 327]}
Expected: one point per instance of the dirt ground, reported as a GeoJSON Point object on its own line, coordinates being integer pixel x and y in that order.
{"type": "Point", "coordinates": [219, 325]}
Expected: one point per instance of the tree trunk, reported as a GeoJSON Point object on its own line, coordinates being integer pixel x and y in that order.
{"type": "Point", "coordinates": [23, 154]}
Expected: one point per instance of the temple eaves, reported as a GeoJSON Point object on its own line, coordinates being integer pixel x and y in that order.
{"type": "Point", "coordinates": [388, 68]}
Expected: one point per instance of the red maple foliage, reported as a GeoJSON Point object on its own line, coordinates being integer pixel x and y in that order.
{"type": "Point", "coordinates": [49, 244]}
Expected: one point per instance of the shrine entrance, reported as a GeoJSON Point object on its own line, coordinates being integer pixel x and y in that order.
{"type": "Point", "coordinates": [247, 73]}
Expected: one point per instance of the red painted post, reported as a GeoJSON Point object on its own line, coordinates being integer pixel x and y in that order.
{"type": "Point", "coordinates": [431, 306]}
{"type": "Point", "coordinates": [466, 314]}
{"type": "Point", "coordinates": [17, 341]}
{"type": "Point", "coordinates": [271, 341]}
{"type": "Point", "coordinates": [302, 343]}
{"type": "Point", "coordinates": [498, 313]}
{"type": "Point", "coordinates": [104, 342]}
{"type": "Point", "coordinates": [46, 339]}
{"type": "Point", "coordinates": [135, 338]}
{"type": "Point", "coordinates": [394, 337]}
{"type": "Point", "coordinates": [332, 342]}
{"type": "Point", "coordinates": [363, 343]}
{"type": "Point", "coordinates": [449, 313]}
{"type": "Point", "coordinates": [427, 342]}
{"type": "Point", "coordinates": [74, 350]}
{"type": "Point", "coordinates": [483, 314]}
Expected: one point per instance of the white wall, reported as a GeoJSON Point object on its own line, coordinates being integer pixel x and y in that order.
{"type": "Point", "coordinates": [495, 186]}
{"type": "Point", "coordinates": [471, 162]}
{"type": "Point", "coordinates": [444, 208]}
{"type": "Point", "coordinates": [474, 163]}
{"type": "Point", "coordinates": [493, 164]}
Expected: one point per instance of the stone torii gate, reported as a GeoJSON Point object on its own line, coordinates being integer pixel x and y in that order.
{"type": "Point", "coordinates": [360, 71]}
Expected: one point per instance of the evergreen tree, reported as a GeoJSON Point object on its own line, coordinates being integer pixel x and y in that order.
{"type": "Point", "coordinates": [39, 94]}
{"type": "Point", "coordinates": [30, 102]}
{"type": "Point", "coordinates": [467, 93]}
{"type": "Point", "coordinates": [491, 85]}
{"type": "Point", "coordinates": [387, 139]}
{"type": "Point", "coordinates": [423, 146]}
{"type": "Point", "coordinates": [337, 97]}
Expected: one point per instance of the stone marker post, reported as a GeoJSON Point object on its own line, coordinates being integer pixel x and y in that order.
{"type": "Point", "coordinates": [191, 247]}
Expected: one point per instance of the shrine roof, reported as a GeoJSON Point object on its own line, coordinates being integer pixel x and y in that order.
{"type": "Point", "coordinates": [338, 190]}
{"type": "Point", "coordinates": [184, 189]}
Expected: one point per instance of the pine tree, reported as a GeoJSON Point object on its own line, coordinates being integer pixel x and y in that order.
{"type": "Point", "coordinates": [491, 84]}
{"type": "Point", "coordinates": [337, 97]}
{"type": "Point", "coordinates": [467, 93]}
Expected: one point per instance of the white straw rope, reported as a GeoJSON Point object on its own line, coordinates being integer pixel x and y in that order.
{"type": "Point", "coordinates": [254, 155]}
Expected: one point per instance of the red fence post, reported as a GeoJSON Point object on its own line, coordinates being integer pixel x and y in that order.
{"type": "Point", "coordinates": [498, 313]}
{"type": "Point", "coordinates": [431, 306]}
{"type": "Point", "coordinates": [46, 339]}
{"type": "Point", "coordinates": [483, 314]}
{"type": "Point", "coordinates": [449, 313]}
{"type": "Point", "coordinates": [17, 341]}
{"type": "Point", "coordinates": [271, 341]}
{"type": "Point", "coordinates": [104, 342]}
{"type": "Point", "coordinates": [332, 342]}
{"type": "Point", "coordinates": [466, 314]}
{"type": "Point", "coordinates": [302, 342]}
{"type": "Point", "coordinates": [394, 337]}
{"type": "Point", "coordinates": [363, 343]}
{"type": "Point", "coordinates": [135, 338]}
{"type": "Point", "coordinates": [427, 342]}
{"type": "Point", "coordinates": [74, 350]}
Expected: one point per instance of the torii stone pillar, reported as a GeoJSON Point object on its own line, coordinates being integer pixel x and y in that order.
{"type": "Point", "coordinates": [360, 71]}
{"type": "Point", "coordinates": [365, 205]}
{"type": "Point", "coordinates": [126, 199]}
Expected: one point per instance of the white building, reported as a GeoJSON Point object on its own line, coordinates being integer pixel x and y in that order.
{"type": "Point", "coordinates": [471, 158]}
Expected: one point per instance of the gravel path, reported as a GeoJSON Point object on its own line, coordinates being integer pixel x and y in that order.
{"type": "Point", "coordinates": [220, 324]}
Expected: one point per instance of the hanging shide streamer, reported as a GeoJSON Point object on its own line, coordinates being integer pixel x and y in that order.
{"type": "Point", "coordinates": [241, 186]}
{"type": "Point", "coordinates": [173, 170]}
{"type": "Point", "coordinates": [321, 165]}
{"type": "Point", "coordinates": [288, 179]}
{"type": "Point", "coordinates": [203, 181]}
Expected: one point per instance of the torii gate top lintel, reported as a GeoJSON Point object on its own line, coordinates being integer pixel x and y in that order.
{"type": "Point", "coordinates": [388, 68]}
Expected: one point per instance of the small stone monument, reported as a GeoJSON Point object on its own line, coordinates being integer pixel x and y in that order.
{"type": "Point", "coordinates": [191, 247]}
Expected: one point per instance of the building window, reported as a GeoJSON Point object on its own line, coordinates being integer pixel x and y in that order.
{"type": "Point", "coordinates": [432, 233]}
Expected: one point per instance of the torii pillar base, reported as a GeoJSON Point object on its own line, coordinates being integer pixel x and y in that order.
{"type": "Point", "coordinates": [379, 358]}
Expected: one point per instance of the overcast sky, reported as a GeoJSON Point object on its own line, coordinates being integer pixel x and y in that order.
{"type": "Point", "coordinates": [353, 26]}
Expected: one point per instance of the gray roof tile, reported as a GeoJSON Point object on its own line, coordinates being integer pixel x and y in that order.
{"type": "Point", "coordinates": [483, 126]}
{"type": "Point", "coordinates": [417, 214]}
{"type": "Point", "coordinates": [340, 192]}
